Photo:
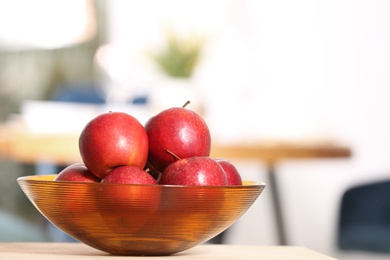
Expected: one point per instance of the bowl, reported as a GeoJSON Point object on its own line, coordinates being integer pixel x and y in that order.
{"type": "Point", "coordinates": [150, 220]}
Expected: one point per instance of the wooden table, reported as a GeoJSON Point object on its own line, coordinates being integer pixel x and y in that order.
{"type": "Point", "coordinates": [60, 251]}
{"type": "Point", "coordinates": [20, 144]}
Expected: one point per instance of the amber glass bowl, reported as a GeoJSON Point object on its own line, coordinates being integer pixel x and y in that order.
{"type": "Point", "coordinates": [125, 219]}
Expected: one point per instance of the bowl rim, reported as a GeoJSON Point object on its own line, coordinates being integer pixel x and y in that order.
{"type": "Point", "coordinates": [49, 178]}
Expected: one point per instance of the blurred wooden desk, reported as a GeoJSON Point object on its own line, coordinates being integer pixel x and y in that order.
{"type": "Point", "coordinates": [19, 144]}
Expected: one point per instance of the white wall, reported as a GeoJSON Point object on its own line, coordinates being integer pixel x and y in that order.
{"type": "Point", "coordinates": [287, 69]}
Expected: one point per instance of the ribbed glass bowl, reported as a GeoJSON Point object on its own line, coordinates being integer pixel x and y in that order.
{"type": "Point", "coordinates": [124, 219]}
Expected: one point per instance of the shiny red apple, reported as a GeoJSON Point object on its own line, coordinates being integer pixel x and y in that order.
{"type": "Point", "coordinates": [194, 171]}
{"type": "Point", "coordinates": [179, 130]}
{"type": "Point", "coordinates": [203, 172]}
{"type": "Point", "coordinates": [113, 139]}
{"type": "Point", "coordinates": [129, 175]}
{"type": "Point", "coordinates": [232, 174]}
{"type": "Point", "coordinates": [134, 195]}
{"type": "Point", "coordinates": [76, 172]}
{"type": "Point", "coordinates": [74, 204]}
{"type": "Point", "coordinates": [142, 194]}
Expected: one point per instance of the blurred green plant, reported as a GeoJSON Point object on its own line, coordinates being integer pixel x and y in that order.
{"type": "Point", "coordinates": [179, 56]}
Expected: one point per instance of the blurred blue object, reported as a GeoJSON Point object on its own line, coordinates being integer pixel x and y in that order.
{"type": "Point", "coordinates": [88, 93]}
{"type": "Point", "coordinates": [79, 93]}
{"type": "Point", "coordinates": [364, 223]}
{"type": "Point", "coordinates": [16, 229]}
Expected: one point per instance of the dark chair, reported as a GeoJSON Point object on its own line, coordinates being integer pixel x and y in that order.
{"type": "Point", "coordinates": [364, 223]}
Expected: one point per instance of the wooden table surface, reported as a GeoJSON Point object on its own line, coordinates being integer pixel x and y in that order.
{"type": "Point", "coordinates": [60, 251]}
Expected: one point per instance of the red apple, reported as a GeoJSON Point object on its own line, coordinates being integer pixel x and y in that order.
{"type": "Point", "coordinates": [76, 172]}
{"type": "Point", "coordinates": [232, 175]}
{"type": "Point", "coordinates": [131, 195]}
{"type": "Point", "coordinates": [202, 174]}
{"type": "Point", "coordinates": [113, 139]}
{"type": "Point", "coordinates": [143, 196]}
{"type": "Point", "coordinates": [129, 175]}
{"type": "Point", "coordinates": [194, 171]}
{"type": "Point", "coordinates": [78, 203]}
{"type": "Point", "coordinates": [179, 130]}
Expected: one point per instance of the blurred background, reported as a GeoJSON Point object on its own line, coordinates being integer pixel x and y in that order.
{"type": "Point", "coordinates": [256, 70]}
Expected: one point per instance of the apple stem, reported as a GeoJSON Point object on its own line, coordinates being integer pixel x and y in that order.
{"type": "Point", "coordinates": [186, 103]}
{"type": "Point", "coordinates": [174, 155]}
